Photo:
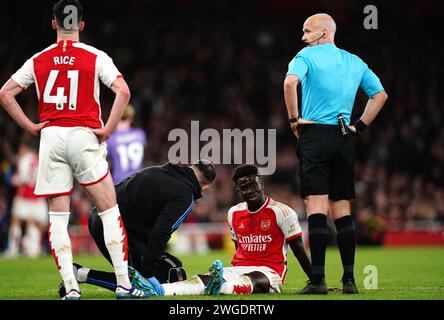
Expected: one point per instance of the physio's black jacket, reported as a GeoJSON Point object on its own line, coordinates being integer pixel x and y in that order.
{"type": "Point", "coordinates": [153, 203]}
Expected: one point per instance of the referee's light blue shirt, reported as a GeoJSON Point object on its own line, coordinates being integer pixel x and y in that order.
{"type": "Point", "coordinates": [330, 78]}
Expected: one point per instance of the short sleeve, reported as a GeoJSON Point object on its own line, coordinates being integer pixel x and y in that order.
{"type": "Point", "coordinates": [230, 223]}
{"type": "Point", "coordinates": [107, 70]}
{"type": "Point", "coordinates": [288, 221]}
{"type": "Point", "coordinates": [370, 82]}
{"type": "Point", "coordinates": [298, 66]}
{"type": "Point", "coordinates": [25, 75]}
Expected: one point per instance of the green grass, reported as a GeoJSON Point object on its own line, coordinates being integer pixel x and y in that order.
{"type": "Point", "coordinates": [403, 274]}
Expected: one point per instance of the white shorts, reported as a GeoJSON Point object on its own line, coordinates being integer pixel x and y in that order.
{"type": "Point", "coordinates": [233, 273]}
{"type": "Point", "coordinates": [25, 209]}
{"type": "Point", "coordinates": [68, 153]}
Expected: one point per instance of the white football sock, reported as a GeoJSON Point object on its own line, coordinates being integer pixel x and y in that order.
{"type": "Point", "coordinates": [33, 240]}
{"type": "Point", "coordinates": [116, 242]}
{"type": "Point", "coordinates": [15, 234]}
{"type": "Point", "coordinates": [61, 248]}
{"type": "Point", "coordinates": [193, 286]}
{"type": "Point", "coordinates": [241, 286]}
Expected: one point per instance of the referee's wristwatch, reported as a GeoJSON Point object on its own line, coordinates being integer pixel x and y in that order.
{"type": "Point", "coordinates": [360, 126]}
{"type": "Point", "coordinates": [293, 120]}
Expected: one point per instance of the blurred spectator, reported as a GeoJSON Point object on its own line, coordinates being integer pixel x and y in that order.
{"type": "Point", "coordinates": [369, 227]}
{"type": "Point", "coordinates": [126, 147]}
{"type": "Point", "coordinates": [29, 212]}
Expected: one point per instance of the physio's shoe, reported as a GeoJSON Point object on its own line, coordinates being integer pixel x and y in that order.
{"type": "Point", "coordinates": [349, 287]}
{"type": "Point", "coordinates": [72, 295]}
{"type": "Point", "coordinates": [312, 288]}
{"type": "Point", "coordinates": [140, 282]}
{"type": "Point", "coordinates": [131, 293]}
{"type": "Point", "coordinates": [216, 278]}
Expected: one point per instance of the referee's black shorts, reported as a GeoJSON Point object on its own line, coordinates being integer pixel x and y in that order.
{"type": "Point", "coordinates": [326, 162]}
{"type": "Point", "coordinates": [136, 250]}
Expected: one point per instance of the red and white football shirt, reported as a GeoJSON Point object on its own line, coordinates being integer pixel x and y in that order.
{"type": "Point", "coordinates": [262, 235]}
{"type": "Point", "coordinates": [26, 176]}
{"type": "Point", "coordinates": [66, 75]}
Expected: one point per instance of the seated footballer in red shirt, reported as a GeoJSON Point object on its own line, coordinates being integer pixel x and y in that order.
{"type": "Point", "coordinates": [262, 230]}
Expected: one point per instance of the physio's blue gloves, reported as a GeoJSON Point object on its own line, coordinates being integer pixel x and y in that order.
{"type": "Point", "coordinates": [157, 286]}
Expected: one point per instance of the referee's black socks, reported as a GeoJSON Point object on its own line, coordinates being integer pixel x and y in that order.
{"type": "Point", "coordinates": [346, 243]}
{"type": "Point", "coordinates": [318, 239]}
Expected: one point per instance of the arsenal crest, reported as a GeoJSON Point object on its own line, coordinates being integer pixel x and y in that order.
{"type": "Point", "coordinates": [265, 224]}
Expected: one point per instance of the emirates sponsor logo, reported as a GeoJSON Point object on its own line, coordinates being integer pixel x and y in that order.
{"type": "Point", "coordinates": [254, 243]}
{"type": "Point", "coordinates": [255, 238]}
{"type": "Point", "coordinates": [265, 224]}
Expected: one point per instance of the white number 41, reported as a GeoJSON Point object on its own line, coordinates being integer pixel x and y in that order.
{"type": "Point", "coordinates": [60, 99]}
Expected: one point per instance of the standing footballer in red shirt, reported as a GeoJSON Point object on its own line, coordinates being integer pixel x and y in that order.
{"type": "Point", "coordinates": [66, 76]}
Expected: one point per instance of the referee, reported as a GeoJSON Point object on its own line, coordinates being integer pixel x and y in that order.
{"type": "Point", "coordinates": [330, 78]}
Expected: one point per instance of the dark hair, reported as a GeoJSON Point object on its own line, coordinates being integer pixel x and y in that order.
{"type": "Point", "coordinates": [60, 15]}
{"type": "Point", "coordinates": [207, 169]}
{"type": "Point", "coordinates": [244, 170]}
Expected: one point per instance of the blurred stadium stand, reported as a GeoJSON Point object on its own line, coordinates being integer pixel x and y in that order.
{"type": "Point", "coordinates": [223, 63]}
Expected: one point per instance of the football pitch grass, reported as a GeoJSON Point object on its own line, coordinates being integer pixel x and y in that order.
{"type": "Point", "coordinates": [402, 274]}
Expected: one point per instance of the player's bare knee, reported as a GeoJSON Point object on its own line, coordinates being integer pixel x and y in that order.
{"type": "Point", "coordinates": [59, 204]}
{"type": "Point", "coordinates": [102, 195]}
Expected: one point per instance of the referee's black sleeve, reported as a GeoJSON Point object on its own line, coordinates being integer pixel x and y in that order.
{"type": "Point", "coordinates": [178, 207]}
